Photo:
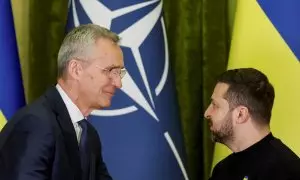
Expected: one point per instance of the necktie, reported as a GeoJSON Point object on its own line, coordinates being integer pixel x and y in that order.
{"type": "Point", "coordinates": [83, 148]}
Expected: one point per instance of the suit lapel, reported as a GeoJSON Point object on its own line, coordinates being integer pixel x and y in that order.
{"type": "Point", "coordinates": [69, 134]}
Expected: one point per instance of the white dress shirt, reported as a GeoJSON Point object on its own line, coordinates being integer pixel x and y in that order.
{"type": "Point", "coordinates": [73, 110]}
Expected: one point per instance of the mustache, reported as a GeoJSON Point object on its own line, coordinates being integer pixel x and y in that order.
{"type": "Point", "coordinates": [210, 123]}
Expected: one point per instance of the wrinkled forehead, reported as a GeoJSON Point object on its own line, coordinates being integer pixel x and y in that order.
{"type": "Point", "coordinates": [108, 53]}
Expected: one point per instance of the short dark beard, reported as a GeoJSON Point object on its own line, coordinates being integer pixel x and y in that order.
{"type": "Point", "coordinates": [225, 133]}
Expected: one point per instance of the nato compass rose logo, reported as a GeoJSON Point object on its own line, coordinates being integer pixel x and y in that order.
{"type": "Point", "coordinates": [136, 24]}
{"type": "Point", "coordinates": [132, 37]}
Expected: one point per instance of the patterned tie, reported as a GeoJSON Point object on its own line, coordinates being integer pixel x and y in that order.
{"type": "Point", "coordinates": [83, 148]}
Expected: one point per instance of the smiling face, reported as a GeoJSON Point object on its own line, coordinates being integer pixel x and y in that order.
{"type": "Point", "coordinates": [96, 84]}
{"type": "Point", "coordinates": [219, 115]}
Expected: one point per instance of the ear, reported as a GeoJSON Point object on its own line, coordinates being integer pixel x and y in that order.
{"type": "Point", "coordinates": [241, 114]}
{"type": "Point", "coordinates": [75, 69]}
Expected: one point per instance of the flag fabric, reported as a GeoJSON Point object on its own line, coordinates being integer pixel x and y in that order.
{"type": "Point", "coordinates": [140, 132]}
{"type": "Point", "coordinates": [11, 88]}
{"type": "Point", "coordinates": [266, 37]}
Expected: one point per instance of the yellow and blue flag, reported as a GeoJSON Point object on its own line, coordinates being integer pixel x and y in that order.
{"type": "Point", "coordinates": [11, 87]}
{"type": "Point", "coordinates": [266, 36]}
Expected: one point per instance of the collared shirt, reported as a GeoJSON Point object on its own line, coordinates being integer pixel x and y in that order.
{"type": "Point", "coordinates": [74, 112]}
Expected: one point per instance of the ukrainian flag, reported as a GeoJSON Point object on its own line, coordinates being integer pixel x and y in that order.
{"type": "Point", "coordinates": [11, 88]}
{"type": "Point", "coordinates": [266, 36]}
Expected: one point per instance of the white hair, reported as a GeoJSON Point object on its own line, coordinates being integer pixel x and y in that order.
{"type": "Point", "coordinates": [77, 43]}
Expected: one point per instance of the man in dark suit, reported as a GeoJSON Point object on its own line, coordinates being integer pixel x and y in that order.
{"type": "Point", "coordinates": [51, 138]}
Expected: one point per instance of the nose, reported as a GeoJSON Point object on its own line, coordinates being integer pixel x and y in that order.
{"type": "Point", "coordinates": [117, 82]}
{"type": "Point", "coordinates": [207, 113]}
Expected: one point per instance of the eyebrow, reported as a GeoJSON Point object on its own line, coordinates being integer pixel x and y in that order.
{"type": "Point", "coordinates": [213, 100]}
{"type": "Point", "coordinates": [114, 66]}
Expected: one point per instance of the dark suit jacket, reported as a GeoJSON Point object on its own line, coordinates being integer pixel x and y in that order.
{"type": "Point", "coordinates": [40, 143]}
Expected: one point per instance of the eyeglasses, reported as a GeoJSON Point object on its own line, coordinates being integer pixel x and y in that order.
{"type": "Point", "coordinates": [114, 72]}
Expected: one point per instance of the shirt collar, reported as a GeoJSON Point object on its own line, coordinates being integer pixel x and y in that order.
{"type": "Point", "coordinates": [74, 112]}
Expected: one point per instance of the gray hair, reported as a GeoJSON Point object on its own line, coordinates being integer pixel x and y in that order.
{"type": "Point", "coordinates": [78, 41]}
